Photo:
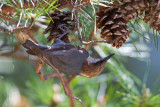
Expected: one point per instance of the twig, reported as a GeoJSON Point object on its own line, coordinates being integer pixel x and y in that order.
{"type": "Point", "coordinates": [18, 28]}
{"type": "Point", "coordinates": [50, 76]}
{"type": "Point", "coordinates": [67, 82]}
{"type": "Point", "coordinates": [96, 41]}
{"type": "Point", "coordinates": [7, 18]}
{"type": "Point", "coordinates": [46, 77]}
{"type": "Point", "coordinates": [64, 86]}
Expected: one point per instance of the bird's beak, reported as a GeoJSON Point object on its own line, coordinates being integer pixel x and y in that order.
{"type": "Point", "coordinates": [108, 57]}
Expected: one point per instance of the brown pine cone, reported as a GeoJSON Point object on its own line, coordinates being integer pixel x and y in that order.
{"type": "Point", "coordinates": [130, 9]}
{"type": "Point", "coordinates": [152, 14]}
{"type": "Point", "coordinates": [61, 23]}
{"type": "Point", "coordinates": [113, 26]}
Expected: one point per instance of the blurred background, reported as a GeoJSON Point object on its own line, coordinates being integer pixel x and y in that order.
{"type": "Point", "coordinates": [130, 79]}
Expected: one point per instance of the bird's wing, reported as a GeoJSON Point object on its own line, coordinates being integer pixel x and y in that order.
{"type": "Point", "coordinates": [69, 61]}
{"type": "Point", "coordinates": [59, 47]}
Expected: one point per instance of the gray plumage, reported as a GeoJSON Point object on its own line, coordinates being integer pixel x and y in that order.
{"type": "Point", "coordinates": [69, 59]}
{"type": "Point", "coordinates": [63, 56]}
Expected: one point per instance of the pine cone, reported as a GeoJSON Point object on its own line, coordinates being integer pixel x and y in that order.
{"type": "Point", "coordinates": [113, 26]}
{"type": "Point", "coordinates": [61, 23]}
{"type": "Point", "coordinates": [152, 14]}
{"type": "Point", "coordinates": [130, 9]}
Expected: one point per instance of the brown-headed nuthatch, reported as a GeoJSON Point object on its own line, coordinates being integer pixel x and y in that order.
{"type": "Point", "coordinates": [69, 59]}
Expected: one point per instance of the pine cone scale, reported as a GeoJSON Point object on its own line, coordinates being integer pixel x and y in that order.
{"type": "Point", "coordinates": [112, 24]}
{"type": "Point", "coordinates": [61, 23]}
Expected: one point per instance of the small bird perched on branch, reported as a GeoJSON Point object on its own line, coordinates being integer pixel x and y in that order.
{"type": "Point", "coordinates": [69, 59]}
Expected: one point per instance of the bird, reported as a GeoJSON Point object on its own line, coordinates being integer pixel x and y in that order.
{"type": "Point", "coordinates": [67, 58]}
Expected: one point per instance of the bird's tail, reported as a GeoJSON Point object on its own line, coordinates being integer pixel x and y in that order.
{"type": "Point", "coordinates": [33, 48]}
{"type": "Point", "coordinates": [28, 44]}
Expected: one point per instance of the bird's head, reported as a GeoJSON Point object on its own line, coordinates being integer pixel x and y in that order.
{"type": "Point", "coordinates": [92, 67]}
